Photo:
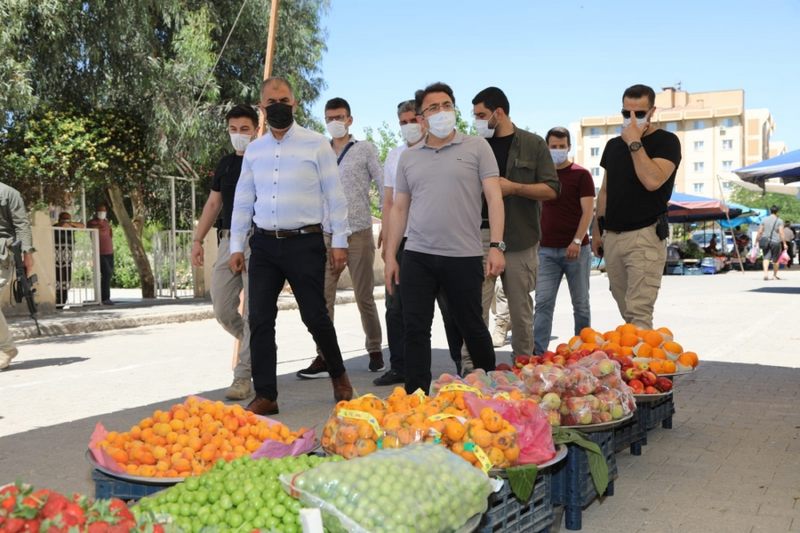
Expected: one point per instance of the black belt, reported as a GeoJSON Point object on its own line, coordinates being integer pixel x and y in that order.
{"type": "Point", "coordinates": [286, 233]}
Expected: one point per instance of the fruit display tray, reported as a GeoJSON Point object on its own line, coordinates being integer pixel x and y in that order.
{"type": "Point", "coordinates": [602, 426]}
{"type": "Point", "coordinates": [631, 434]}
{"type": "Point", "coordinates": [561, 454]}
{"type": "Point", "coordinates": [572, 484]}
{"type": "Point", "coordinates": [642, 398]}
{"type": "Point", "coordinates": [109, 487]}
{"type": "Point", "coordinates": [124, 476]}
{"type": "Point", "coordinates": [507, 513]}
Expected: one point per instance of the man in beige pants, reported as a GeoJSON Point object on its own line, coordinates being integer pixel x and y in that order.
{"type": "Point", "coordinates": [358, 166]}
{"type": "Point", "coordinates": [226, 286]}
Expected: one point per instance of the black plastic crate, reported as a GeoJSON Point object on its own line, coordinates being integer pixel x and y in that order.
{"type": "Point", "coordinates": [507, 513]}
{"type": "Point", "coordinates": [110, 487]}
{"type": "Point", "coordinates": [651, 414]}
{"type": "Point", "coordinates": [632, 434]}
{"type": "Point", "coordinates": [572, 484]}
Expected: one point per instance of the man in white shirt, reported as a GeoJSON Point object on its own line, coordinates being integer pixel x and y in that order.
{"type": "Point", "coordinates": [289, 181]}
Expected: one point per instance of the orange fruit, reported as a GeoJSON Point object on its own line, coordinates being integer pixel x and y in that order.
{"type": "Point", "coordinates": [630, 329]}
{"type": "Point", "coordinates": [626, 350]}
{"type": "Point", "coordinates": [653, 338]}
{"type": "Point", "coordinates": [656, 366]}
{"type": "Point", "coordinates": [612, 347]}
{"type": "Point", "coordinates": [666, 333]}
{"type": "Point", "coordinates": [668, 366]}
{"type": "Point", "coordinates": [588, 335]}
{"type": "Point", "coordinates": [629, 339]}
{"type": "Point", "coordinates": [672, 348]}
{"type": "Point", "coordinates": [658, 353]}
{"type": "Point", "coordinates": [688, 359]}
{"type": "Point", "coordinates": [643, 349]}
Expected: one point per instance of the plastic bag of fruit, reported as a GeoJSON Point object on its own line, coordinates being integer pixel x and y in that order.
{"type": "Point", "coordinates": [423, 487]}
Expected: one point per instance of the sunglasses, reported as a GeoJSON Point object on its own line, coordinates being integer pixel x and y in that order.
{"type": "Point", "coordinates": [639, 114]}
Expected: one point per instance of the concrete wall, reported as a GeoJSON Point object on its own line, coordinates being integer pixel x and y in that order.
{"type": "Point", "coordinates": [44, 266]}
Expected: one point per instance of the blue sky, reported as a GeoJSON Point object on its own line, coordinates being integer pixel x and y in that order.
{"type": "Point", "coordinates": [558, 61]}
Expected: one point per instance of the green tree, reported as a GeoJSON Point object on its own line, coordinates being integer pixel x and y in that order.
{"type": "Point", "coordinates": [151, 62]}
{"type": "Point", "coordinates": [789, 205]}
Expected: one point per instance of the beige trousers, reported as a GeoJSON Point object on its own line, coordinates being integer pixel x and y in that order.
{"type": "Point", "coordinates": [6, 268]}
{"type": "Point", "coordinates": [225, 289]}
{"type": "Point", "coordinates": [634, 264]}
{"type": "Point", "coordinates": [360, 262]}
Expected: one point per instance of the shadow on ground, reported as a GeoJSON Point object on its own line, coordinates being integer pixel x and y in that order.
{"type": "Point", "coordinates": [39, 363]}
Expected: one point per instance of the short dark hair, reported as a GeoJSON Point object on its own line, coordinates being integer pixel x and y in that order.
{"type": "Point", "coordinates": [560, 133]}
{"type": "Point", "coordinates": [243, 111]}
{"type": "Point", "coordinates": [492, 98]}
{"type": "Point", "coordinates": [277, 80]}
{"type": "Point", "coordinates": [637, 91]}
{"type": "Point", "coordinates": [337, 103]}
{"type": "Point", "coordinates": [405, 106]}
{"type": "Point", "coordinates": [437, 87]}
{"type": "Point", "coordinates": [774, 209]}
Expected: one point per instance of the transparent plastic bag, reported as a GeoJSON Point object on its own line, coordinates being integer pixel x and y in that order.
{"type": "Point", "coordinates": [422, 487]}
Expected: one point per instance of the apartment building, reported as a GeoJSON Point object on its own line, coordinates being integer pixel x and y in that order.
{"type": "Point", "coordinates": [717, 134]}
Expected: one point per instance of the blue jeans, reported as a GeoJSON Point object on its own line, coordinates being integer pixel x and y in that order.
{"type": "Point", "coordinates": [553, 264]}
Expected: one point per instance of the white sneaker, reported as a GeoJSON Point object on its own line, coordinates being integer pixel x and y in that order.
{"type": "Point", "coordinates": [240, 389]}
{"type": "Point", "coordinates": [6, 356]}
{"type": "Point", "coordinates": [499, 336]}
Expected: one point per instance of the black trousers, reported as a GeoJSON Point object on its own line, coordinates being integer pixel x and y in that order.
{"type": "Point", "coordinates": [396, 330]}
{"type": "Point", "coordinates": [301, 261]}
{"type": "Point", "coordinates": [106, 273]}
{"type": "Point", "coordinates": [461, 278]}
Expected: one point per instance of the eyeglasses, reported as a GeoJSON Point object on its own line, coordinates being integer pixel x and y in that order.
{"type": "Point", "coordinates": [639, 114]}
{"type": "Point", "coordinates": [337, 118]}
{"type": "Point", "coordinates": [435, 108]}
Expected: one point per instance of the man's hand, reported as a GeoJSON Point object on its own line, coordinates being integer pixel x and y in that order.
{"type": "Point", "coordinates": [338, 259]}
{"type": "Point", "coordinates": [27, 260]}
{"type": "Point", "coordinates": [495, 263]}
{"type": "Point", "coordinates": [573, 251]}
{"type": "Point", "coordinates": [508, 187]}
{"type": "Point", "coordinates": [391, 274]}
{"type": "Point", "coordinates": [636, 129]}
{"type": "Point", "coordinates": [597, 243]}
{"type": "Point", "coordinates": [197, 254]}
{"type": "Point", "coordinates": [236, 263]}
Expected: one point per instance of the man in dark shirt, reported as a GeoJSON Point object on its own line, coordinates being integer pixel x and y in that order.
{"type": "Point", "coordinates": [527, 177]}
{"type": "Point", "coordinates": [226, 285]}
{"type": "Point", "coordinates": [630, 228]}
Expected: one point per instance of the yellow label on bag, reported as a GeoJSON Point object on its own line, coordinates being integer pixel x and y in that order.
{"type": "Point", "coordinates": [361, 415]}
{"type": "Point", "coordinates": [420, 394]}
{"type": "Point", "coordinates": [503, 395]}
{"type": "Point", "coordinates": [460, 387]}
{"type": "Point", "coordinates": [440, 416]}
{"type": "Point", "coordinates": [483, 459]}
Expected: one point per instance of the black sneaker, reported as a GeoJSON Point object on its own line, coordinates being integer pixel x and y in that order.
{"type": "Point", "coordinates": [376, 362]}
{"type": "Point", "coordinates": [392, 377]}
{"type": "Point", "coordinates": [317, 369]}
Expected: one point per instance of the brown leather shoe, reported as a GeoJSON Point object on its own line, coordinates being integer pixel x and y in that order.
{"type": "Point", "coordinates": [263, 406]}
{"type": "Point", "coordinates": [342, 390]}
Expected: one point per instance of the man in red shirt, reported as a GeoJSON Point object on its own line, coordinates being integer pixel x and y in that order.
{"type": "Point", "coordinates": [100, 223]}
{"type": "Point", "coordinates": [564, 249]}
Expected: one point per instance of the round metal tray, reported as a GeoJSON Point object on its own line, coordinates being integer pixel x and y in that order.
{"type": "Point", "coordinates": [561, 453]}
{"type": "Point", "coordinates": [681, 373]}
{"type": "Point", "coordinates": [599, 427]}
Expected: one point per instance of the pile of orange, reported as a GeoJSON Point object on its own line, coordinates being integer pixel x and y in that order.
{"type": "Point", "coordinates": [363, 425]}
{"type": "Point", "coordinates": [190, 437]}
{"type": "Point", "coordinates": [658, 345]}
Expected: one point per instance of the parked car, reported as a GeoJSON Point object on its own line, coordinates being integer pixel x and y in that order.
{"type": "Point", "coordinates": [703, 238]}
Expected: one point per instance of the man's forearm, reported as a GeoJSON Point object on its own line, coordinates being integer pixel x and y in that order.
{"type": "Point", "coordinates": [398, 218]}
{"type": "Point", "coordinates": [536, 191]}
{"type": "Point", "coordinates": [650, 175]}
{"type": "Point", "coordinates": [496, 219]}
{"type": "Point", "coordinates": [210, 213]}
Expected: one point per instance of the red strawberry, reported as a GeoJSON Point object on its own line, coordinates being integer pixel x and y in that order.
{"type": "Point", "coordinates": [98, 527]}
{"type": "Point", "coordinates": [120, 509]}
{"type": "Point", "coordinates": [54, 505]}
{"type": "Point", "coordinates": [73, 515]}
{"type": "Point", "coordinates": [13, 525]}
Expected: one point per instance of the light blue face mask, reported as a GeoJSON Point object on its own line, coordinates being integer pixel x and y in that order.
{"type": "Point", "coordinates": [559, 155]}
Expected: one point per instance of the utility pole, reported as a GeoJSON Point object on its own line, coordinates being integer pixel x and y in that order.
{"type": "Point", "coordinates": [270, 55]}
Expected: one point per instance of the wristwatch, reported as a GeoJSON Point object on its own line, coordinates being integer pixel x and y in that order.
{"type": "Point", "coordinates": [577, 241]}
{"type": "Point", "coordinates": [634, 146]}
{"type": "Point", "coordinates": [500, 245]}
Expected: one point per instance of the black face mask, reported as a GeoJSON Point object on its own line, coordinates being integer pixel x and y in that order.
{"type": "Point", "coordinates": [279, 115]}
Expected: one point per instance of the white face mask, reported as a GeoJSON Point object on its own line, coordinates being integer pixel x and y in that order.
{"type": "Point", "coordinates": [627, 122]}
{"type": "Point", "coordinates": [411, 132]}
{"type": "Point", "coordinates": [336, 129]}
{"type": "Point", "coordinates": [482, 126]}
{"type": "Point", "coordinates": [240, 141]}
{"type": "Point", "coordinates": [101, 215]}
{"type": "Point", "coordinates": [442, 123]}
{"type": "Point", "coordinates": [559, 155]}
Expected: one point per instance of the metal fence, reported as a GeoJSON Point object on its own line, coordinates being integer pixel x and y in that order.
{"type": "Point", "coordinates": [77, 254]}
{"type": "Point", "coordinates": [172, 264]}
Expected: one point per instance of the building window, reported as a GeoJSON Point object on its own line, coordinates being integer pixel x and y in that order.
{"type": "Point", "coordinates": [698, 187]}
{"type": "Point", "coordinates": [698, 124]}
{"type": "Point", "coordinates": [595, 151]}
{"type": "Point", "coordinates": [698, 166]}
{"type": "Point", "coordinates": [672, 126]}
{"type": "Point", "coordinates": [727, 164]}
{"type": "Point", "coordinates": [698, 146]}
{"type": "Point", "coordinates": [596, 171]}
{"type": "Point", "coordinates": [594, 132]}
{"type": "Point", "coordinates": [727, 122]}
{"type": "Point", "coordinates": [727, 144]}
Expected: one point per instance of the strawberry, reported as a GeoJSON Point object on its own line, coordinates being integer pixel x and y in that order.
{"type": "Point", "coordinates": [55, 504]}
{"type": "Point", "coordinates": [13, 525]}
{"type": "Point", "coordinates": [100, 526]}
{"type": "Point", "coordinates": [120, 509]}
{"type": "Point", "coordinates": [73, 515]}
{"type": "Point", "coordinates": [33, 525]}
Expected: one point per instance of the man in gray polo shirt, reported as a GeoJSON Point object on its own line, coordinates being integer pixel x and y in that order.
{"type": "Point", "coordinates": [438, 198]}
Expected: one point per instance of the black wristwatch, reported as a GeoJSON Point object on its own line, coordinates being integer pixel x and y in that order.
{"type": "Point", "coordinates": [500, 245]}
{"type": "Point", "coordinates": [634, 146]}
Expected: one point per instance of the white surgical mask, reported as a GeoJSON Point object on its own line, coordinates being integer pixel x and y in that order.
{"type": "Point", "coordinates": [442, 123]}
{"type": "Point", "coordinates": [101, 215]}
{"type": "Point", "coordinates": [240, 141]}
{"type": "Point", "coordinates": [482, 126]}
{"type": "Point", "coordinates": [627, 122]}
{"type": "Point", "coordinates": [336, 129]}
{"type": "Point", "coordinates": [411, 132]}
{"type": "Point", "coordinates": [559, 155]}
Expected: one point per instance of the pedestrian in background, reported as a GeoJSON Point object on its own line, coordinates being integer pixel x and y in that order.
{"type": "Point", "coordinates": [104, 235]}
{"type": "Point", "coordinates": [770, 239]}
{"type": "Point", "coordinates": [226, 286]}
{"type": "Point", "coordinates": [14, 226]}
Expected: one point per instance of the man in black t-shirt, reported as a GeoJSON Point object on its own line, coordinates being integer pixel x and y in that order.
{"type": "Point", "coordinates": [640, 167]}
{"type": "Point", "coordinates": [226, 286]}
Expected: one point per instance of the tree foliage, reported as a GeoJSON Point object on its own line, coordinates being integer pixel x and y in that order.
{"type": "Point", "coordinates": [789, 205]}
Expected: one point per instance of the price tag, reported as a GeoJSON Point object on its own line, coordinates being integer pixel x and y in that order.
{"type": "Point", "coordinates": [460, 387]}
{"type": "Point", "coordinates": [419, 393]}
{"type": "Point", "coordinates": [504, 395]}
{"type": "Point", "coordinates": [361, 415]}
{"type": "Point", "coordinates": [483, 459]}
